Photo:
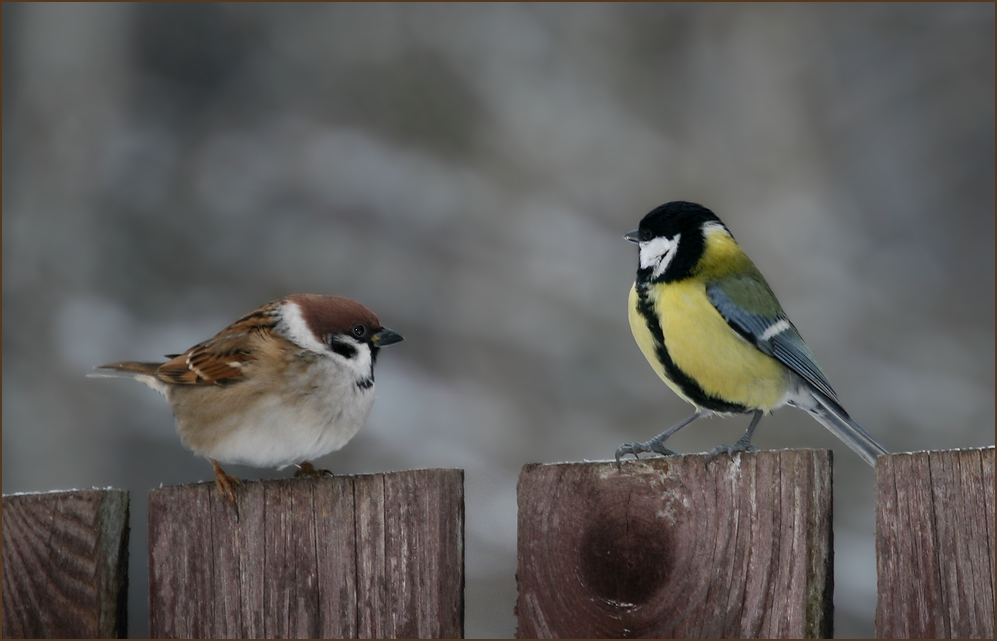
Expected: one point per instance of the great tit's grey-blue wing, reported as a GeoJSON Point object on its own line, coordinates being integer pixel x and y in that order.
{"type": "Point", "coordinates": [752, 310]}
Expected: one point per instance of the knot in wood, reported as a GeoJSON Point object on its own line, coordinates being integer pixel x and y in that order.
{"type": "Point", "coordinates": [625, 557]}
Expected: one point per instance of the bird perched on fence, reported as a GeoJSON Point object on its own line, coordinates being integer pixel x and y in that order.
{"type": "Point", "coordinates": [284, 384]}
{"type": "Point", "coordinates": [711, 328]}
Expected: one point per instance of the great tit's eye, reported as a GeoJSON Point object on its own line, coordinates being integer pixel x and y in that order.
{"type": "Point", "coordinates": [645, 235]}
{"type": "Point", "coordinates": [359, 330]}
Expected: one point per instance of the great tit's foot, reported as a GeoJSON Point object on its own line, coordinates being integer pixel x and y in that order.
{"type": "Point", "coordinates": [308, 471]}
{"type": "Point", "coordinates": [655, 446]}
{"type": "Point", "coordinates": [225, 482]}
{"type": "Point", "coordinates": [730, 450]}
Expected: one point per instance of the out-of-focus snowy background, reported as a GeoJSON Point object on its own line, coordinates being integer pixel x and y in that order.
{"type": "Point", "coordinates": [468, 171]}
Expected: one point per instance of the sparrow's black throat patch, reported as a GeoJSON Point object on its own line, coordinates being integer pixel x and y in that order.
{"type": "Point", "coordinates": [341, 346]}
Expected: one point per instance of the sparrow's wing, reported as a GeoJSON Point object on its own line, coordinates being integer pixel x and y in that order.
{"type": "Point", "coordinates": [220, 360]}
{"type": "Point", "coordinates": [751, 309]}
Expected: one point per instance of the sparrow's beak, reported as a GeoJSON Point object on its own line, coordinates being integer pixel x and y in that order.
{"type": "Point", "coordinates": [385, 337]}
{"type": "Point", "coordinates": [632, 236]}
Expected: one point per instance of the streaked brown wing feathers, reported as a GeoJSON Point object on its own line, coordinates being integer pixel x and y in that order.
{"type": "Point", "coordinates": [220, 359]}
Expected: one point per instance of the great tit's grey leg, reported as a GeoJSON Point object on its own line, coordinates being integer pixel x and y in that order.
{"type": "Point", "coordinates": [743, 444]}
{"type": "Point", "coordinates": [657, 444]}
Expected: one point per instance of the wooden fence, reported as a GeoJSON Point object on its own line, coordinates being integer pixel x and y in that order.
{"type": "Point", "coordinates": [935, 545]}
{"type": "Point", "coordinates": [671, 547]}
{"type": "Point", "coordinates": [661, 547]}
{"type": "Point", "coordinates": [65, 564]}
{"type": "Point", "coordinates": [370, 556]}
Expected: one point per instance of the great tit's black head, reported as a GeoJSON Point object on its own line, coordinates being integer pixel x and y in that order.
{"type": "Point", "coordinates": [674, 218]}
{"type": "Point", "coordinates": [672, 239]}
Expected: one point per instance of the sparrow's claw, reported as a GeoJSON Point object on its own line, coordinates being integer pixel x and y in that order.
{"type": "Point", "coordinates": [307, 470]}
{"type": "Point", "coordinates": [224, 482]}
{"type": "Point", "coordinates": [654, 445]}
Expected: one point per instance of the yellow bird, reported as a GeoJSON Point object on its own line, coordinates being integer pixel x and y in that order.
{"type": "Point", "coordinates": [711, 328]}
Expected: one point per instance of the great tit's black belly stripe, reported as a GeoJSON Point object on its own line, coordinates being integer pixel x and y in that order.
{"type": "Point", "coordinates": [689, 387]}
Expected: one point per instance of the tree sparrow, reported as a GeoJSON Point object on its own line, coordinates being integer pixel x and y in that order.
{"type": "Point", "coordinates": [286, 383]}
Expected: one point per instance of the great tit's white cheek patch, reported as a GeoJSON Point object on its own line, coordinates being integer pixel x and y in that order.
{"type": "Point", "coordinates": [657, 253]}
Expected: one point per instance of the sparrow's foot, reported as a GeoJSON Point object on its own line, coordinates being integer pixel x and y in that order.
{"type": "Point", "coordinates": [307, 470]}
{"type": "Point", "coordinates": [654, 445]}
{"type": "Point", "coordinates": [224, 482]}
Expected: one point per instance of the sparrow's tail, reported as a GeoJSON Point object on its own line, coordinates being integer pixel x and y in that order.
{"type": "Point", "coordinates": [126, 369]}
{"type": "Point", "coordinates": [834, 417]}
{"type": "Point", "coordinates": [144, 373]}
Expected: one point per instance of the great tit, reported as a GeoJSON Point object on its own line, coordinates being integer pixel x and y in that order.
{"type": "Point", "coordinates": [711, 328]}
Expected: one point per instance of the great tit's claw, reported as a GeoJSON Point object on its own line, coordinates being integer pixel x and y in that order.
{"type": "Point", "coordinates": [729, 450]}
{"type": "Point", "coordinates": [652, 446]}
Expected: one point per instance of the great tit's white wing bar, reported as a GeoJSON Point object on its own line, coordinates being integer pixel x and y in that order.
{"type": "Point", "coordinates": [751, 326]}
{"type": "Point", "coordinates": [774, 334]}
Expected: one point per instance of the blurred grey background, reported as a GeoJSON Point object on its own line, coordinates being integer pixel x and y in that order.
{"type": "Point", "coordinates": [468, 171]}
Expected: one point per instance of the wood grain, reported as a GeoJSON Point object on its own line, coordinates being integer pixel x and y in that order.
{"type": "Point", "coordinates": [378, 555]}
{"type": "Point", "coordinates": [935, 544]}
{"type": "Point", "coordinates": [65, 564]}
{"type": "Point", "coordinates": [673, 547]}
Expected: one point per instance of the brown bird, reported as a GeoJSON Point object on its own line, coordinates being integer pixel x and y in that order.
{"type": "Point", "coordinates": [284, 384]}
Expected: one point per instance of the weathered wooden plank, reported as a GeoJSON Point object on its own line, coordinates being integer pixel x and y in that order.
{"type": "Point", "coordinates": [426, 602]}
{"type": "Point", "coordinates": [935, 544]}
{"type": "Point", "coordinates": [237, 570]}
{"type": "Point", "coordinates": [376, 555]}
{"type": "Point", "coordinates": [372, 600]}
{"type": "Point", "coordinates": [673, 547]}
{"type": "Point", "coordinates": [65, 564]}
{"type": "Point", "coordinates": [337, 568]}
{"type": "Point", "coordinates": [181, 606]}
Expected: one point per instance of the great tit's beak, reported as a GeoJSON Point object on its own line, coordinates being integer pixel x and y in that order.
{"type": "Point", "coordinates": [633, 236]}
{"type": "Point", "coordinates": [386, 337]}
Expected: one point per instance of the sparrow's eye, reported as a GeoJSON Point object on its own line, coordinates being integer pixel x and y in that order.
{"type": "Point", "coordinates": [359, 330]}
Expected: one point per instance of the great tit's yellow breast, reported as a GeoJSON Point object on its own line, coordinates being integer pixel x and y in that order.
{"type": "Point", "coordinates": [647, 343]}
{"type": "Point", "coordinates": [704, 347]}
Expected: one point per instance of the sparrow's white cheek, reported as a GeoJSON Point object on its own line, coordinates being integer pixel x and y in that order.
{"type": "Point", "coordinates": [362, 365]}
{"type": "Point", "coordinates": [296, 329]}
{"type": "Point", "coordinates": [657, 253]}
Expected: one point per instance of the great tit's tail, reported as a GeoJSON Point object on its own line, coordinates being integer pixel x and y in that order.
{"type": "Point", "coordinates": [831, 415]}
